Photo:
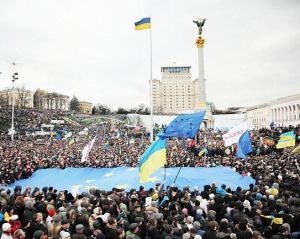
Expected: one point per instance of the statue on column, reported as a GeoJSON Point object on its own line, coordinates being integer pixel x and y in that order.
{"type": "Point", "coordinates": [200, 23]}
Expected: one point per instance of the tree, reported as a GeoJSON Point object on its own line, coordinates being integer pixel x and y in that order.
{"type": "Point", "coordinates": [23, 97]}
{"type": "Point", "coordinates": [101, 109]}
{"type": "Point", "coordinates": [5, 97]}
{"type": "Point", "coordinates": [74, 103]}
{"type": "Point", "coordinates": [122, 111]}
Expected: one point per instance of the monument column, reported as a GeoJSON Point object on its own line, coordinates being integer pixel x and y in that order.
{"type": "Point", "coordinates": [200, 45]}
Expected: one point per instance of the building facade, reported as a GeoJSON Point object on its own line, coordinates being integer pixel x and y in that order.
{"type": "Point", "coordinates": [85, 107]}
{"type": "Point", "coordinates": [22, 98]}
{"type": "Point", "coordinates": [176, 92]}
{"type": "Point", "coordinates": [259, 116]}
{"type": "Point", "coordinates": [54, 101]}
{"type": "Point", "coordinates": [285, 111]}
{"type": "Point", "coordinates": [282, 111]}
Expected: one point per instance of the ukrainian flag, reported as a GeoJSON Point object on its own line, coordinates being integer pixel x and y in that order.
{"type": "Point", "coordinates": [286, 140]}
{"type": "Point", "coordinates": [72, 141]}
{"type": "Point", "coordinates": [296, 149]}
{"type": "Point", "coordinates": [142, 24]}
{"type": "Point", "coordinates": [202, 150]}
{"type": "Point", "coordinates": [68, 135]}
{"type": "Point", "coordinates": [152, 159]}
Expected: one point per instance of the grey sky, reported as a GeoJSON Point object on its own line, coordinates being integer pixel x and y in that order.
{"type": "Point", "coordinates": [89, 48]}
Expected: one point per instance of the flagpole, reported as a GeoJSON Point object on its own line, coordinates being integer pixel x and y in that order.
{"type": "Point", "coordinates": [151, 88]}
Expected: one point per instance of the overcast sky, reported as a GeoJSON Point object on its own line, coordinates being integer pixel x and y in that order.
{"type": "Point", "coordinates": [90, 49]}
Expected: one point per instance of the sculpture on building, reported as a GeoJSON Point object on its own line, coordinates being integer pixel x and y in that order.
{"type": "Point", "coordinates": [200, 23]}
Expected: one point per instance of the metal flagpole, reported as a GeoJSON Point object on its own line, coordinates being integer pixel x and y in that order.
{"type": "Point", "coordinates": [151, 87]}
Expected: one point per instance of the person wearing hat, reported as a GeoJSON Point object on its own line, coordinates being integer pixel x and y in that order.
{"type": "Point", "coordinates": [38, 234]}
{"type": "Point", "coordinates": [137, 211]}
{"type": "Point", "coordinates": [6, 231]}
{"type": "Point", "coordinates": [65, 235]}
{"type": "Point", "coordinates": [15, 223]}
{"type": "Point", "coordinates": [133, 229]}
{"type": "Point", "coordinates": [65, 226]}
{"type": "Point", "coordinates": [79, 232]}
{"type": "Point", "coordinates": [49, 219]}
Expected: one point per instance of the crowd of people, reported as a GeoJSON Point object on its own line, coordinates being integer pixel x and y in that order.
{"type": "Point", "coordinates": [268, 209]}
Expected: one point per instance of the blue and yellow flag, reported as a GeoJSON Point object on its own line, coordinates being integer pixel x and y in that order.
{"type": "Point", "coordinates": [296, 149]}
{"type": "Point", "coordinates": [68, 135]}
{"type": "Point", "coordinates": [202, 150]}
{"type": "Point", "coordinates": [106, 145]}
{"type": "Point", "coordinates": [286, 140]}
{"type": "Point", "coordinates": [152, 159]}
{"type": "Point", "coordinates": [142, 24]}
{"type": "Point", "coordinates": [72, 141]}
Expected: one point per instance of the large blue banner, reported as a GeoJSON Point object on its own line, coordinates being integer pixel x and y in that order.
{"type": "Point", "coordinates": [128, 178]}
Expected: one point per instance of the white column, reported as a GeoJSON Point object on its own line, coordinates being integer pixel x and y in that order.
{"type": "Point", "coordinates": [202, 93]}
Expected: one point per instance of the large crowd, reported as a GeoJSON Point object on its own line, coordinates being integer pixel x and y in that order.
{"type": "Point", "coordinates": [268, 209]}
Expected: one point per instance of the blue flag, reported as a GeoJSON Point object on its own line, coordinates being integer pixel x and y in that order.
{"type": "Point", "coordinates": [244, 145]}
{"type": "Point", "coordinates": [184, 126]}
{"type": "Point", "coordinates": [272, 124]}
{"type": "Point", "coordinates": [58, 137]}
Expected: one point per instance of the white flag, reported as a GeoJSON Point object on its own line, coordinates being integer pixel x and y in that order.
{"type": "Point", "coordinates": [233, 135]}
{"type": "Point", "coordinates": [87, 149]}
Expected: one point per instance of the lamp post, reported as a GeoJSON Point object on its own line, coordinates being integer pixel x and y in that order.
{"type": "Point", "coordinates": [14, 78]}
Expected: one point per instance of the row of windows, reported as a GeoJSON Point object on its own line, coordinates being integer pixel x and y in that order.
{"type": "Point", "coordinates": [259, 120]}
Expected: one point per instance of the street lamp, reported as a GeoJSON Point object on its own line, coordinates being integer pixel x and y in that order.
{"type": "Point", "coordinates": [14, 78]}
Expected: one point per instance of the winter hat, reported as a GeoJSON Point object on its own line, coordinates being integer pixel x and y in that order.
{"type": "Point", "coordinates": [185, 211]}
{"type": "Point", "coordinates": [51, 212]}
{"type": "Point", "coordinates": [96, 224]}
{"type": "Point", "coordinates": [37, 234]}
{"type": "Point", "coordinates": [196, 188]}
{"type": "Point", "coordinates": [271, 197]}
{"type": "Point", "coordinates": [119, 219]}
{"type": "Point", "coordinates": [123, 207]}
{"type": "Point", "coordinates": [211, 217]}
{"type": "Point", "coordinates": [199, 212]}
{"type": "Point", "coordinates": [159, 216]}
{"type": "Point", "coordinates": [5, 226]}
{"type": "Point", "coordinates": [196, 225]}
{"type": "Point", "coordinates": [103, 217]}
{"type": "Point", "coordinates": [186, 236]}
{"type": "Point", "coordinates": [123, 213]}
{"type": "Point", "coordinates": [64, 234]}
{"type": "Point", "coordinates": [14, 217]}
{"type": "Point", "coordinates": [279, 202]}
{"type": "Point", "coordinates": [153, 204]}
{"type": "Point", "coordinates": [28, 204]}
{"type": "Point", "coordinates": [3, 193]}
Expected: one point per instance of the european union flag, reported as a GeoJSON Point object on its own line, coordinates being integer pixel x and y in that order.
{"type": "Point", "coordinates": [244, 145]}
{"type": "Point", "coordinates": [184, 126]}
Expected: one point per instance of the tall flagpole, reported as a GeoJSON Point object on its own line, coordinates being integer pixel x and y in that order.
{"type": "Point", "coordinates": [151, 87]}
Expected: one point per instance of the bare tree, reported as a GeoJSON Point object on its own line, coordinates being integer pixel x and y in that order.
{"type": "Point", "coordinates": [23, 97]}
{"type": "Point", "coordinates": [5, 97]}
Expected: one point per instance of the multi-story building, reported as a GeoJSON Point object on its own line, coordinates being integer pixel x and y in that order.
{"type": "Point", "coordinates": [285, 111]}
{"type": "Point", "coordinates": [282, 111]}
{"type": "Point", "coordinates": [85, 107]}
{"type": "Point", "coordinates": [54, 101]}
{"type": "Point", "coordinates": [176, 92]}
{"type": "Point", "coordinates": [259, 116]}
